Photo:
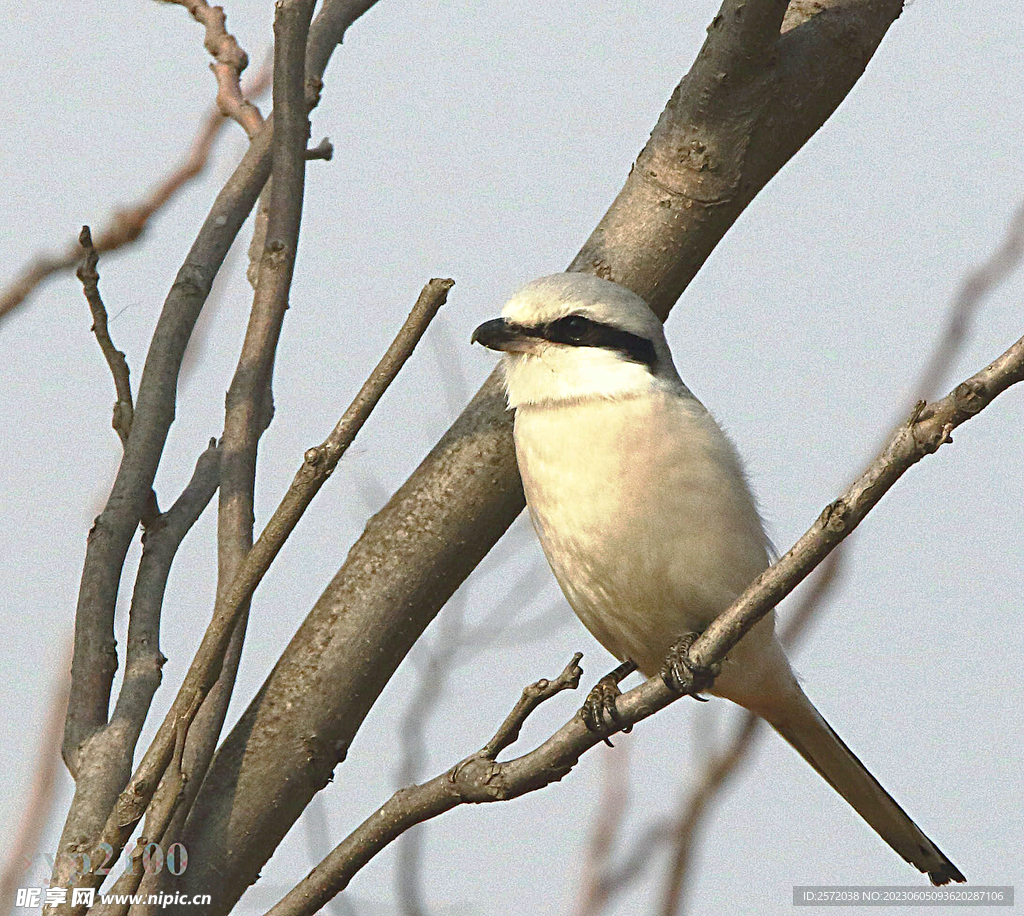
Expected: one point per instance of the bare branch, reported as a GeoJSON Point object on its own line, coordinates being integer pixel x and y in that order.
{"type": "Point", "coordinates": [319, 462]}
{"type": "Point", "coordinates": [90, 279]}
{"type": "Point", "coordinates": [247, 415]}
{"type": "Point", "coordinates": [229, 62]}
{"type": "Point", "coordinates": [128, 223]}
{"type": "Point", "coordinates": [323, 150]}
{"type": "Point", "coordinates": [154, 411]}
{"type": "Point", "coordinates": [480, 778]}
{"type": "Point", "coordinates": [418, 549]}
{"type": "Point", "coordinates": [248, 411]}
{"type": "Point", "coordinates": [108, 765]}
{"type": "Point", "coordinates": [408, 807]}
{"type": "Point", "coordinates": [143, 658]}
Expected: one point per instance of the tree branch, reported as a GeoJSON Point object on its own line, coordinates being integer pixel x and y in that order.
{"type": "Point", "coordinates": [90, 279]}
{"type": "Point", "coordinates": [248, 404]}
{"type": "Point", "coordinates": [417, 550]}
{"type": "Point", "coordinates": [480, 778]}
{"type": "Point", "coordinates": [108, 764]}
{"type": "Point", "coordinates": [94, 659]}
{"type": "Point", "coordinates": [408, 807]}
{"type": "Point", "coordinates": [319, 462]}
{"type": "Point", "coordinates": [143, 658]}
{"type": "Point", "coordinates": [229, 62]}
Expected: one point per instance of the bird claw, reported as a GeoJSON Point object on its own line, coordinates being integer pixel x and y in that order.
{"type": "Point", "coordinates": [680, 674]}
{"type": "Point", "coordinates": [599, 712]}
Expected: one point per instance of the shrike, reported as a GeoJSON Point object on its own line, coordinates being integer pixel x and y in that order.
{"type": "Point", "coordinates": [644, 514]}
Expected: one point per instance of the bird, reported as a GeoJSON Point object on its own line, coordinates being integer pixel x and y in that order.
{"type": "Point", "coordinates": [644, 513]}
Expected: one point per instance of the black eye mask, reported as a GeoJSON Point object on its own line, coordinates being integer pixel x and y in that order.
{"type": "Point", "coordinates": [578, 331]}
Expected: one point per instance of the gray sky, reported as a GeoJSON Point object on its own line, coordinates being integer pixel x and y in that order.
{"type": "Point", "coordinates": [483, 142]}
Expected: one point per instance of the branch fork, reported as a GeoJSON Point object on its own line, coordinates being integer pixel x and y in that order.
{"type": "Point", "coordinates": [479, 778]}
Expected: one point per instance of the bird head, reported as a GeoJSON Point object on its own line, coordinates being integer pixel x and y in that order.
{"type": "Point", "coordinates": [573, 336]}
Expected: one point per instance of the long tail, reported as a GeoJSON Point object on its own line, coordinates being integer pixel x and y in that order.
{"type": "Point", "coordinates": [805, 729]}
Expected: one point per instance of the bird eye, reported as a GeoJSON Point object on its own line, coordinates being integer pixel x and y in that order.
{"type": "Point", "coordinates": [574, 327]}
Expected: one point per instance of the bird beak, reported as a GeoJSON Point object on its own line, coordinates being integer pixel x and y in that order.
{"type": "Point", "coordinates": [501, 334]}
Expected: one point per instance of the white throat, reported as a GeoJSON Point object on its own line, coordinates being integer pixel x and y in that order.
{"type": "Point", "coordinates": [552, 374]}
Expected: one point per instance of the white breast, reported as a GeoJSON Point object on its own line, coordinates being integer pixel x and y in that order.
{"type": "Point", "coordinates": [642, 510]}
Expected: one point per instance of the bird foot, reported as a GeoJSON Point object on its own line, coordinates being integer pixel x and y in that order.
{"type": "Point", "coordinates": [681, 675]}
{"type": "Point", "coordinates": [599, 712]}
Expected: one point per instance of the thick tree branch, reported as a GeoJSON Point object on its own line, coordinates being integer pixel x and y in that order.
{"type": "Point", "coordinates": [721, 138]}
{"type": "Point", "coordinates": [108, 764]}
{"type": "Point", "coordinates": [731, 124]}
{"type": "Point", "coordinates": [480, 778]}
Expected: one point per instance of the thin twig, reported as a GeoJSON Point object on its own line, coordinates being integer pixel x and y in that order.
{"type": "Point", "coordinates": [129, 222]}
{"type": "Point", "coordinates": [90, 278]}
{"type": "Point", "coordinates": [480, 778]}
{"type": "Point", "coordinates": [408, 807]}
{"type": "Point", "coordinates": [229, 62]}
